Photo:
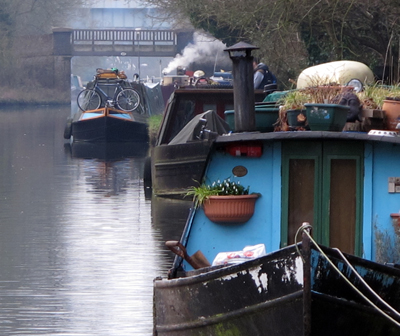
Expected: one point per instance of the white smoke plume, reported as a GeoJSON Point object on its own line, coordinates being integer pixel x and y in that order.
{"type": "Point", "coordinates": [205, 49]}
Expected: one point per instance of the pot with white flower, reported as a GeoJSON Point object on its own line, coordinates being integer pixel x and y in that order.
{"type": "Point", "coordinates": [225, 202]}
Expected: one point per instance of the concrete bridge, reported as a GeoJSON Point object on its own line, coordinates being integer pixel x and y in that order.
{"type": "Point", "coordinates": [119, 42]}
{"type": "Point", "coordinates": [48, 57]}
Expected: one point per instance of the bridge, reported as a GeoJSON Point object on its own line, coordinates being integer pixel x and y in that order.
{"type": "Point", "coordinates": [120, 42]}
{"type": "Point", "coordinates": [48, 57]}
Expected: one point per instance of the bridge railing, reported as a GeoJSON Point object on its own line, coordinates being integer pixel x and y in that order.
{"type": "Point", "coordinates": [124, 42]}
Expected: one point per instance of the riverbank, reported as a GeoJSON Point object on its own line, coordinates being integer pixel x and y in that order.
{"type": "Point", "coordinates": [27, 95]}
{"type": "Point", "coordinates": [154, 125]}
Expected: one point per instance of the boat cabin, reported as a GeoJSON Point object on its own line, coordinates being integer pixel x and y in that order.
{"type": "Point", "coordinates": [187, 102]}
{"type": "Point", "coordinates": [345, 184]}
{"type": "Point", "coordinates": [177, 165]}
{"type": "Point", "coordinates": [326, 204]}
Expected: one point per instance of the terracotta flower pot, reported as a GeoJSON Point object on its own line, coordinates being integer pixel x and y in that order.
{"type": "Point", "coordinates": [395, 219]}
{"type": "Point", "coordinates": [230, 209]}
{"type": "Point", "coordinates": [392, 112]}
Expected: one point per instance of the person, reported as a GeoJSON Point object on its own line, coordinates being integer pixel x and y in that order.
{"type": "Point", "coordinates": [262, 75]}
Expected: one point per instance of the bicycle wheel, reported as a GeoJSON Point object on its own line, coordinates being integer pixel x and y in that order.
{"type": "Point", "coordinates": [88, 100]}
{"type": "Point", "coordinates": [128, 100]}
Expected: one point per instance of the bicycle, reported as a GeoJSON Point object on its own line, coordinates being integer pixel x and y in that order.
{"type": "Point", "coordinates": [125, 99]}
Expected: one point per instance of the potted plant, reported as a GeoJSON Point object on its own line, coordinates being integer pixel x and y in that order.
{"type": "Point", "coordinates": [322, 111]}
{"type": "Point", "coordinates": [224, 202]}
{"type": "Point", "coordinates": [372, 98]}
{"type": "Point", "coordinates": [391, 108]}
{"type": "Point", "coordinates": [293, 111]}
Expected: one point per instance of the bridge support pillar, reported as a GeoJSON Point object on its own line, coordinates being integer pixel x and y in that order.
{"type": "Point", "coordinates": [62, 75]}
{"type": "Point", "coordinates": [62, 51]}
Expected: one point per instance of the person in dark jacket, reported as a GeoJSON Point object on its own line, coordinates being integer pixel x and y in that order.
{"type": "Point", "coordinates": [262, 75]}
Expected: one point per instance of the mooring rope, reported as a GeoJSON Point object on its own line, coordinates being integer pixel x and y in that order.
{"type": "Point", "coordinates": [307, 226]}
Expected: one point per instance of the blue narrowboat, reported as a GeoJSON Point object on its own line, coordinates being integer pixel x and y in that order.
{"type": "Point", "coordinates": [346, 185]}
{"type": "Point", "coordinates": [317, 257]}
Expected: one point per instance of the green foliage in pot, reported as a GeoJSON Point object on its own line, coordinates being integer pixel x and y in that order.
{"type": "Point", "coordinates": [372, 96]}
{"type": "Point", "coordinates": [394, 93]}
{"type": "Point", "coordinates": [294, 100]}
{"type": "Point", "coordinates": [324, 94]}
{"type": "Point", "coordinates": [224, 188]}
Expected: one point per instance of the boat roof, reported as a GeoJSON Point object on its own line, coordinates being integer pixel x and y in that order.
{"type": "Point", "coordinates": [380, 136]}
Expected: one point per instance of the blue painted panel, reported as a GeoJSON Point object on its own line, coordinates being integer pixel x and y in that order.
{"type": "Point", "coordinates": [368, 215]}
{"type": "Point", "coordinates": [381, 161]}
{"type": "Point", "coordinates": [386, 163]}
{"type": "Point", "coordinates": [264, 227]}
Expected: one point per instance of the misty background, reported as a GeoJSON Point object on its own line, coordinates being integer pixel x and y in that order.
{"type": "Point", "coordinates": [203, 53]}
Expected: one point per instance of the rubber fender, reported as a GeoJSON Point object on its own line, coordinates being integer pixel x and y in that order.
{"type": "Point", "coordinates": [147, 172]}
{"type": "Point", "coordinates": [68, 129]}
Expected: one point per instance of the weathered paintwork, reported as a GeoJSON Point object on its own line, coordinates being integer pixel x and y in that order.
{"type": "Point", "coordinates": [267, 297]}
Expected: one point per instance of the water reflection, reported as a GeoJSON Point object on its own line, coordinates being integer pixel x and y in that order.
{"type": "Point", "coordinates": [108, 151]}
{"type": "Point", "coordinates": [80, 244]}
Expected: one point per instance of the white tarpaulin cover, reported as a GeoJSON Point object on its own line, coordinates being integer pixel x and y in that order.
{"type": "Point", "coordinates": [338, 72]}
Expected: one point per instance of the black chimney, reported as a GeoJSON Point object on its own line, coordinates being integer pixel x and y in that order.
{"type": "Point", "coordinates": [243, 88]}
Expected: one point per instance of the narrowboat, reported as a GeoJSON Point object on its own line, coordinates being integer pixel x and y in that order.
{"type": "Point", "coordinates": [113, 109]}
{"type": "Point", "coordinates": [251, 275]}
{"type": "Point", "coordinates": [344, 184]}
{"type": "Point", "coordinates": [178, 161]}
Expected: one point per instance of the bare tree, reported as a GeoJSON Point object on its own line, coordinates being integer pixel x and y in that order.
{"type": "Point", "coordinates": [293, 34]}
{"type": "Point", "coordinates": [19, 18]}
{"type": "Point", "coordinates": [39, 16]}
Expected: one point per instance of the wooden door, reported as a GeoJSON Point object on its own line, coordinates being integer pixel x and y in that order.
{"type": "Point", "coordinates": [322, 185]}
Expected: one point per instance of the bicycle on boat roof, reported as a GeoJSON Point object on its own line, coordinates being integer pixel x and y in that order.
{"type": "Point", "coordinates": [125, 99]}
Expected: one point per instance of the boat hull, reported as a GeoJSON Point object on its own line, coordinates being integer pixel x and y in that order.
{"type": "Point", "coordinates": [108, 150]}
{"type": "Point", "coordinates": [269, 296]}
{"type": "Point", "coordinates": [103, 126]}
{"type": "Point", "coordinates": [174, 168]}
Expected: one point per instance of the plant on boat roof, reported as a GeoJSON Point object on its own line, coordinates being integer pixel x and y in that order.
{"type": "Point", "coordinates": [394, 93]}
{"type": "Point", "coordinates": [372, 96]}
{"type": "Point", "coordinates": [324, 89]}
{"type": "Point", "coordinates": [294, 100]}
{"type": "Point", "coordinates": [217, 188]}
{"type": "Point", "coordinates": [324, 94]}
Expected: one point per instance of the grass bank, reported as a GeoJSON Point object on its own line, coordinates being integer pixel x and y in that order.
{"type": "Point", "coordinates": [154, 125]}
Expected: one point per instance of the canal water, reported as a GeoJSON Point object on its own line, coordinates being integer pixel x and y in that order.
{"type": "Point", "coordinates": [80, 242]}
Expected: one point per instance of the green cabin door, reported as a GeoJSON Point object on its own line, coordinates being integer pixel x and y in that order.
{"type": "Point", "coordinates": [322, 185]}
